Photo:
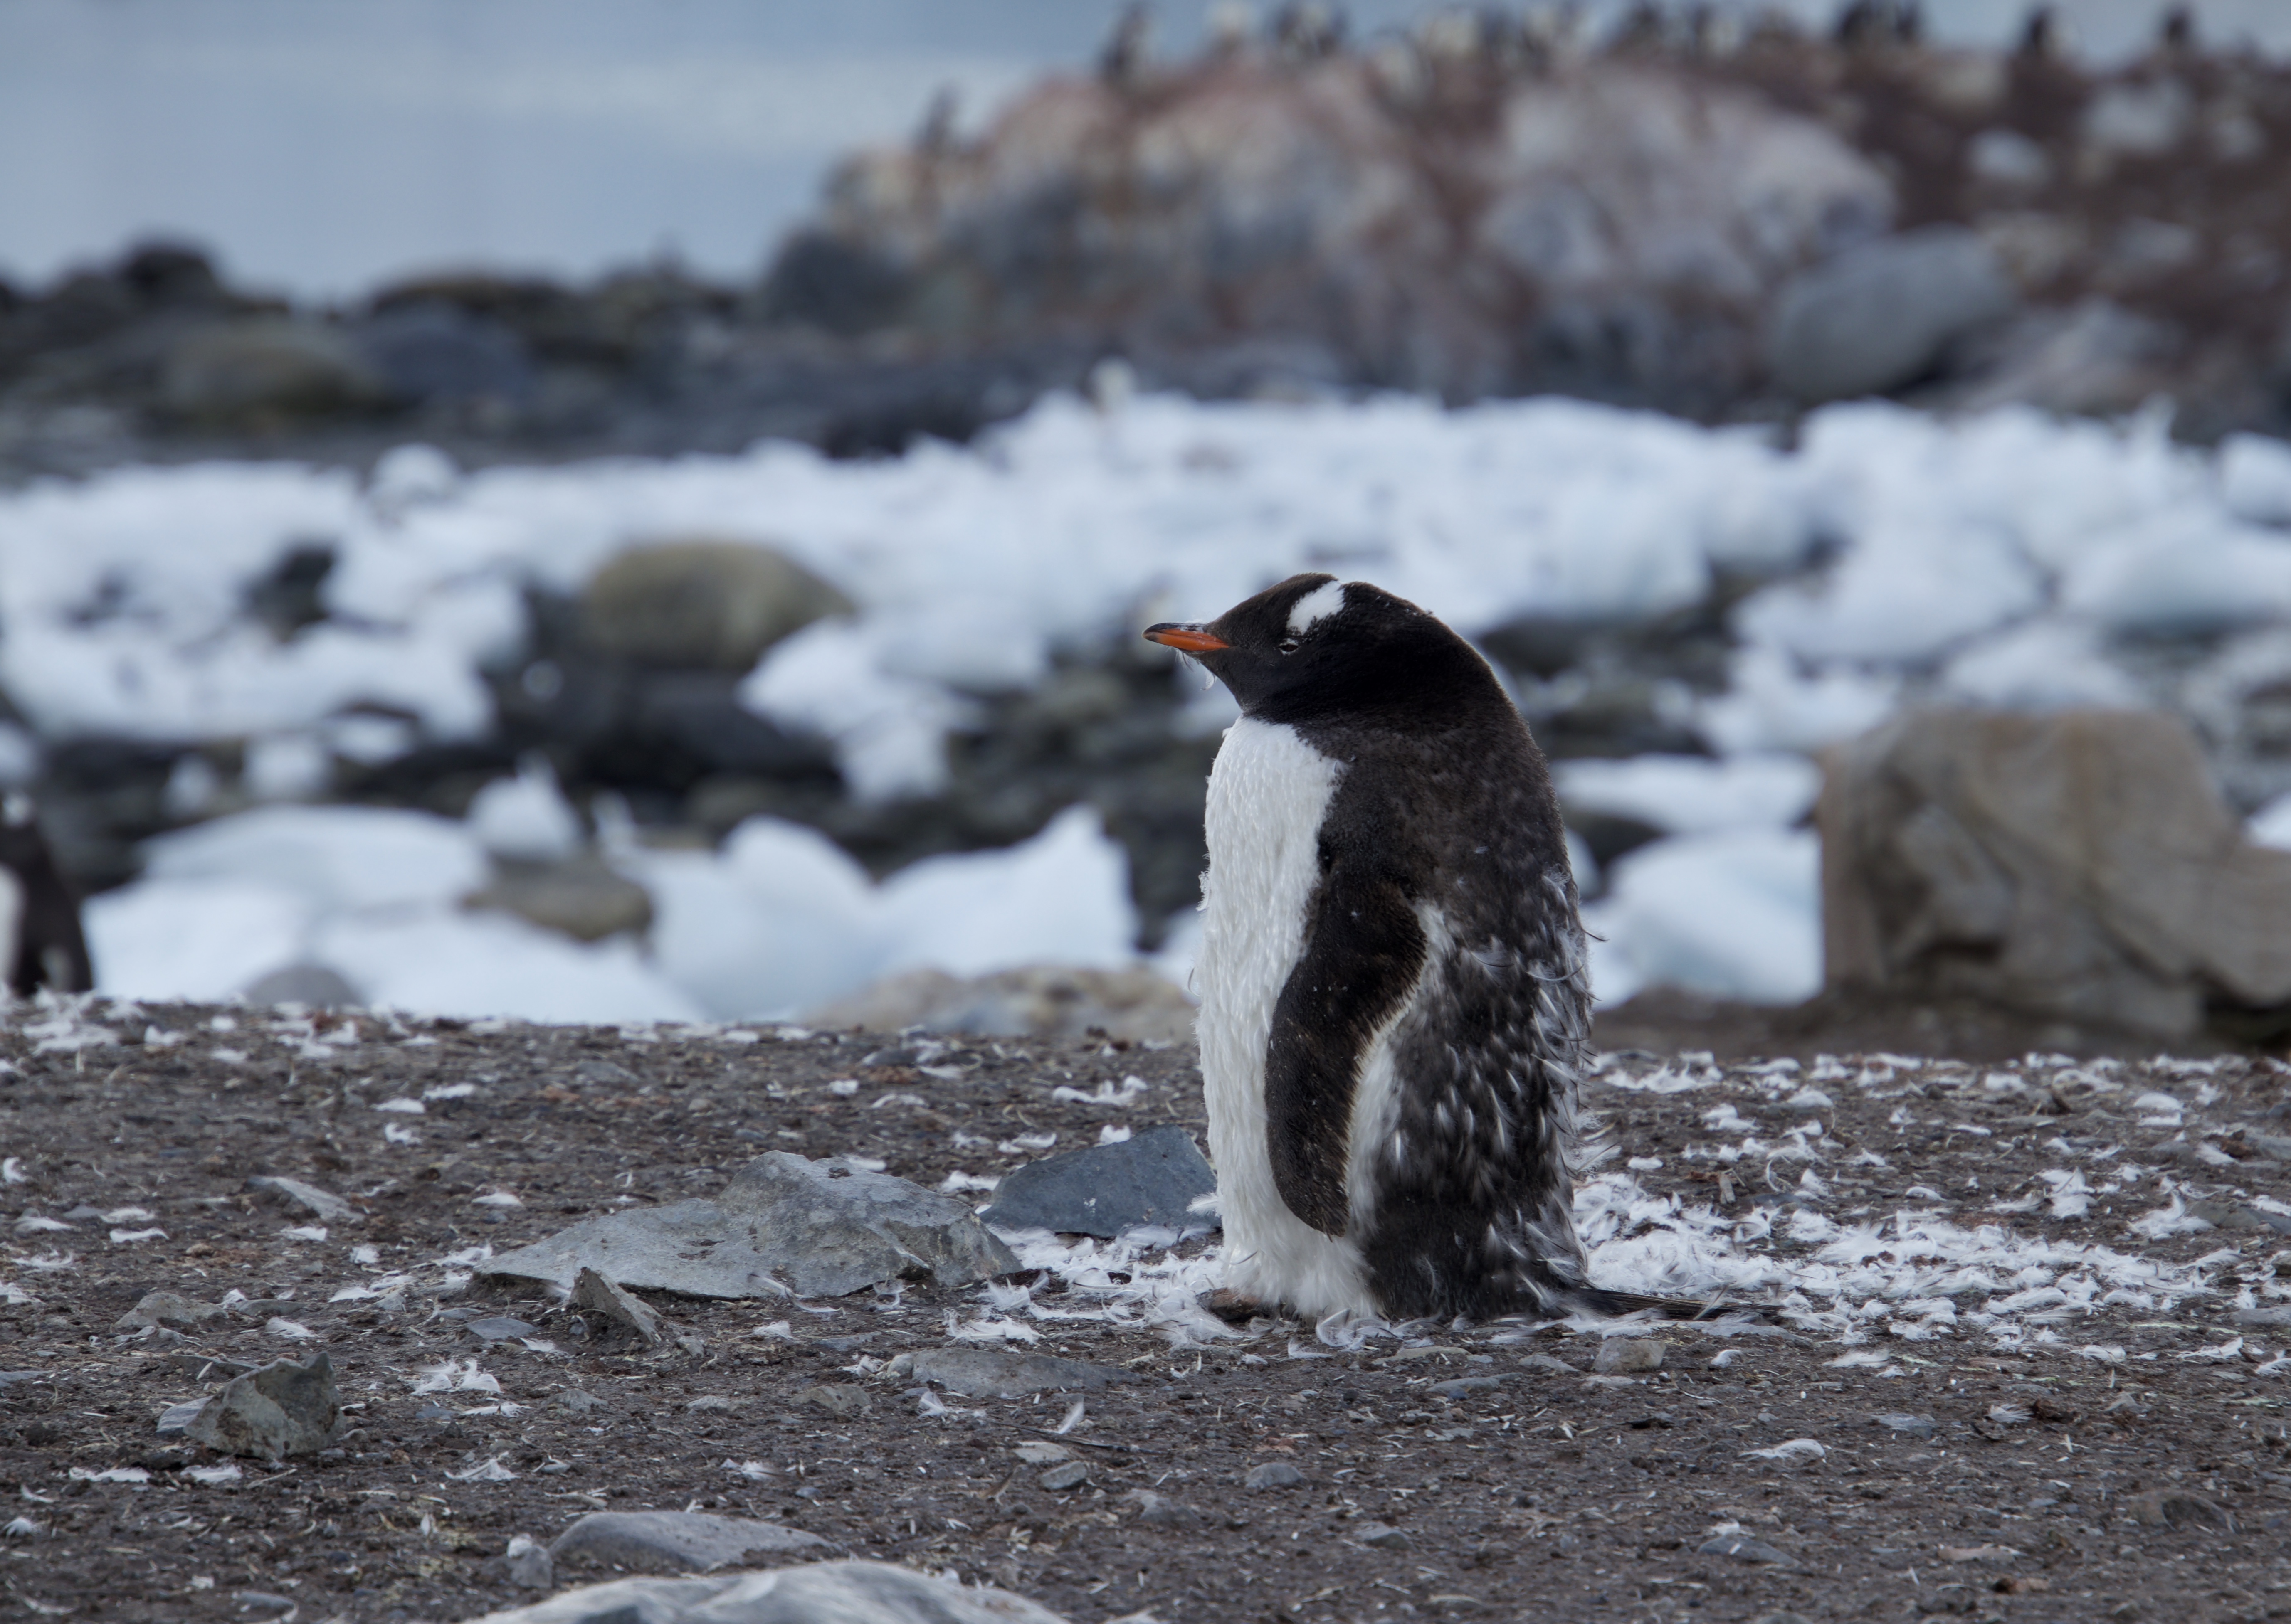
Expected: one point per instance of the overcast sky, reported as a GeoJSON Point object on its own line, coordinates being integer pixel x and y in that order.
{"type": "Point", "coordinates": [319, 146]}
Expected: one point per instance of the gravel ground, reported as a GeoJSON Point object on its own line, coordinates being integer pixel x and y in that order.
{"type": "Point", "coordinates": [2077, 1432]}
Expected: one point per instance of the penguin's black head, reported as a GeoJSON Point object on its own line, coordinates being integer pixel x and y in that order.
{"type": "Point", "coordinates": [1313, 648]}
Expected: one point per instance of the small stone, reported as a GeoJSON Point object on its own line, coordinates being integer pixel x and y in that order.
{"type": "Point", "coordinates": [283, 1409]}
{"type": "Point", "coordinates": [498, 1327]}
{"type": "Point", "coordinates": [1629, 1355]}
{"type": "Point", "coordinates": [1383, 1536]}
{"type": "Point", "coordinates": [675, 1541]}
{"type": "Point", "coordinates": [314, 986]}
{"type": "Point", "coordinates": [1742, 1547]}
{"type": "Point", "coordinates": [324, 1205]}
{"type": "Point", "coordinates": [2176, 1508]}
{"type": "Point", "coordinates": [170, 1309]}
{"type": "Point", "coordinates": [1066, 1475]}
{"type": "Point", "coordinates": [838, 1398]}
{"type": "Point", "coordinates": [994, 1372]}
{"type": "Point", "coordinates": [1273, 1474]}
{"type": "Point", "coordinates": [627, 1314]}
{"type": "Point", "coordinates": [1912, 1425]}
{"type": "Point", "coordinates": [175, 1419]}
{"type": "Point", "coordinates": [1151, 1178]}
{"type": "Point", "coordinates": [1160, 1509]}
{"type": "Point", "coordinates": [1460, 1385]}
{"type": "Point", "coordinates": [527, 1563]}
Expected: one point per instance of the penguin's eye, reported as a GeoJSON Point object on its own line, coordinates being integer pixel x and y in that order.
{"type": "Point", "coordinates": [1288, 645]}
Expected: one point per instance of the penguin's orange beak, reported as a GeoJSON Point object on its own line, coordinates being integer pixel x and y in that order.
{"type": "Point", "coordinates": [1187, 639]}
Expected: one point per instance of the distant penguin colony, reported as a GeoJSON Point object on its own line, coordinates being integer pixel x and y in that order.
{"type": "Point", "coordinates": [1394, 1001]}
{"type": "Point", "coordinates": [41, 944]}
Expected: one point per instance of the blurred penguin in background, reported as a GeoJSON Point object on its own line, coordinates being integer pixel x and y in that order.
{"type": "Point", "coordinates": [41, 943]}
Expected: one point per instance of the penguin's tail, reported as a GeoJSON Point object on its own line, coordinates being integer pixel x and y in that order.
{"type": "Point", "coordinates": [1618, 1304]}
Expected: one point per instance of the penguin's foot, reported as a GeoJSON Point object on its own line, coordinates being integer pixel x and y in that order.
{"type": "Point", "coordinates": [1235, 1309]}
{"type": "Point", "coordinates": [1594, 1299]}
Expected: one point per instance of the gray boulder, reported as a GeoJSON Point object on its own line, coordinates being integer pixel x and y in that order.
{"type": "Point", "coordinates": [581, 896]}
{"type": "Point", "coordinates": [312, 986]}
{"type": "Point", "coordinates": [819, 1592]}
{"type": "Point", "coordinates": [324, 1205]}
{"type": "Point", "coordinates": [264, 368]}
{"type": "Point", "coordinates": [783, 1224]}
{"type": "Point", "coordinates": [1880, 316]}
{"type": "Point", "coordinates": [674, 1541]}
{"type": "Point", "coordinates": [283, 1409]}
{"type": "Point", "coordinates": [2078, 865]}
{"type": "Point", "coordinates": [1151, 1178]}
{"type": "Point", "coordinates": [703, 604]}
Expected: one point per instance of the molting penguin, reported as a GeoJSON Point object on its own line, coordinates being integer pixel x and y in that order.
{"type": "Point", "coordinates": [41, 943]}
{"type": "Point", "coordinates": [1394, 1001]}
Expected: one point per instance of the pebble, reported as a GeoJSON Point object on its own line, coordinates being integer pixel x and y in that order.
{"type": "Point", "coordinates": [628, 1316]}
{"type": "Point", "coordinates": [1461, 1384]}
{"type": "Point", "coordinates": [498, 1327]}
{"type": "Point", "coordinates": [2176, 1508]}
{"type": "Point", "coordinates": [324, 1205]}
{"type": "Point", "coordinates": [170, 1309]}
{"type": "Point", "coordinates": [839, 1398]}
{"type": "Point", "coordinates": [1066, 1475]}
{"type": "Point", "coordinates": [1159, 1508]}
{"type": "Point", "coordinates": [1627, 1356]}
{"type": "Point", "coordinates": [675, 1541]}
{"type": "Point", "coordinates": [1273, 1474]}
{"type": "Point", "coordinates": [1742, 1547]}
{"type": "Point", "coordinates": [283, 1409]}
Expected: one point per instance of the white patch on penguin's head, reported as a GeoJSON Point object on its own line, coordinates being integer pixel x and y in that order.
{"type": "Point", "coordinates": [1314, 607]}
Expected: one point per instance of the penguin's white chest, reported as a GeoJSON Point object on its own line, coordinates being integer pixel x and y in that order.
{"type": "Point", "coordinates": [1268, 794]}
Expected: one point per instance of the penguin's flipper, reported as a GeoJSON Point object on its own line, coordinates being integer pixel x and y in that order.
{"type": "Point", "coordinates": [1363, 952]}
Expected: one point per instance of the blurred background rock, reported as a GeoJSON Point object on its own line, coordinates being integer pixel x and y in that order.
{"type": "Point", "coordinates": [896, 229]}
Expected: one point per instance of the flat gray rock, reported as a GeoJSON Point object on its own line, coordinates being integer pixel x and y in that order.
{"type": "Point", "coordinates": [172, 1309]}
{"type": "Point", "coordinates": [675, 1541]}
{"type": "Point", "coordinates": [1151, 1178]}
{"type": "Point", "coordinates": [995, 1372]}
{"type": "Point", "coordinates": [783, 1224]}
{"type": "Point", "coordinates": [1880, 315]}
{"type": "Point", "coordinates": [283, 1409]}
{"type": "Point", "coordinates": [1915, 1426]}
{"type": "Point", "coordinates": [324, 1205]}
{"type": "Point", "coordinates": [816, 1593]}
{"type": "Point", "coordinates": [1742, 1548]}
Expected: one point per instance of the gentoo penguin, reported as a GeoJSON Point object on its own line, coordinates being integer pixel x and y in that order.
{"type": "Point", "coordinates": [41, 943]}
{"type": "Point", "coordinates": [1394, 1003]}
